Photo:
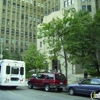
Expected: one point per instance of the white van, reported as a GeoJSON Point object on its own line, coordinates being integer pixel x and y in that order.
{"type": "Point", "coordinates": [12, 73]}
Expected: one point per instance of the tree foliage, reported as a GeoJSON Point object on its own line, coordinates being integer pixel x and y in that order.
{"type": "Point", "coordinates": [34, 59]}
{"type": "Point", "coordinates": [78, 34]}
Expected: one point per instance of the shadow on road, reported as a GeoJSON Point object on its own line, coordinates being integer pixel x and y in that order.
{"type": "Point", "coordinates": [11, 88]}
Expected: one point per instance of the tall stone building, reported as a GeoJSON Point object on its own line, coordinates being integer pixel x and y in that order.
{"type": "Point", "coordinates": [90, 5]}
{"type": "Point", "coordinates": [51, 6]}
{"type": "Point", "coordinates": [18, 23]}
{"type": "Point", "coordinates": [19, 20]}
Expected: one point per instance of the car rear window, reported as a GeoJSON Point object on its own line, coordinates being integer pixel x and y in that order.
{"type": "Point", "coordinates": [60, 77]}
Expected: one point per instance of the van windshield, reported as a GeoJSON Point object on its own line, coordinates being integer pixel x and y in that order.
{"type": "Point", "coordinates": [60, 77]}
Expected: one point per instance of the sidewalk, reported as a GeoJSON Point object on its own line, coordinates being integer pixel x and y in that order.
{"type": "Point", "coordinates": [75, 78]}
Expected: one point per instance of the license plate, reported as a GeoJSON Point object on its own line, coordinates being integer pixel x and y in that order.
{"type": "Point", "coordinates": [61, 83]}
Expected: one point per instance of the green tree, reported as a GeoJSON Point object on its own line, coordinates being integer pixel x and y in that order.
{"type": "Point", "coordinates": [78, 34]}
{"type": "Point", "coordinates": [34, 59]}
{"type": "Point", "coordinates": [5, 54]}
{"type": "Point", "coordinates": [54, 33]}
{"type": "Point", "coordinates": [83, 41]}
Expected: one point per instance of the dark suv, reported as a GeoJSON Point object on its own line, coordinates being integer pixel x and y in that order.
{"type": "Point", "coordinates": [48, 81]}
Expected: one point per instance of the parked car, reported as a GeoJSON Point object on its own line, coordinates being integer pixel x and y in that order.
{"type": "Point", "coordinates": [86, 86]}
{"type": "Point", "coordinates": [48, 81]}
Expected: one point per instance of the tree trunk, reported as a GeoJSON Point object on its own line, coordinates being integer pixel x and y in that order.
{"type": "Point", "coordinates": [97, 67]}
{"type": "Point", "coordinates": [66, 65]}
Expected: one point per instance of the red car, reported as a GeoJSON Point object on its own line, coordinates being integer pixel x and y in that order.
{"type": "Point", "coordinates": [48, 81]}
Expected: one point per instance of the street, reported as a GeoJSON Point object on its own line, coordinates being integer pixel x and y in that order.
{"type": "Point", "coordinates": [23, 93]}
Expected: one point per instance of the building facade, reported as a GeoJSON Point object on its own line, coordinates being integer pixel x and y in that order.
{"type": "Point", "coordinates": [19, 20]}
{"type": "Point", "coordinates": [18, 23]}
{"type": "Point", "coordinates": [51, 6]}
{"type": "Point", "coordinates": [89, 5]}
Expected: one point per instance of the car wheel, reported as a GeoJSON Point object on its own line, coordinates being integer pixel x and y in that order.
{"type": "Point", "coordinates": [59, 89]}
{"type": "Point", "coordinates": [30, 85]}
{"type": "Point", "coordinates": [47, 87]}
{"type": "Point", "coordinates": [71, 91]}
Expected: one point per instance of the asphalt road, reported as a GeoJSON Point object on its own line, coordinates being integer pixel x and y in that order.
{"type": "Point", "coordinates": [23, 93]}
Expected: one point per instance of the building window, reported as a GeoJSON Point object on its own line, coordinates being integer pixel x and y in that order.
{"type": "Point", "coordinates": [16, 42]}
{"type": "Point", "coordinates": [83, 0]}
{"type": "Point", "coordinates": [83, 7]}
{"type": "Point", "coordinates": [89, 8]}
{"type": "Point", "coordinates": [38, 4]}
{"type": "Point", "coordinates": [3, 20]}
{"type": "Point", "coordinates": [13, 22]}
{"type": "Point", "coordinates": [12, 50]}
{"type": "Point", "coordinates": [23, 8]}
{"type": "Point", "coordinates": [18, 15]}
{"type": "Point", "coordinates": [7, 40]}
{"type": "Point", "coordinates": [30, 26]}
{"type": "Point", "coordinates": [65, 4]}
{"type": "Point", "coordinates": [7, 30]}
{"type": "Point", "coordinates": [21, 50]}
{"type": "Point", "coordinates": [72, 1]}
{"type": "Point", "coordinates": [30, 34]}
{"type": "Point", "coordinates": [34, 10]}
{"type": "Point", "coordinates": [30, 18]}
{"type": "Point", "coordinates": [26, 43]}
{"type": "Point", "coordinates": [38, 20]}
{"type": "Point", "coordinates": [34, 3]}
{"type": "Point", "coordinates": [27, 17]}
{"type": "Point", "coordinates": [49, 11]}
{"type": "Point", "coordinates": [2, 30]}
{"type": "Point", "coordinates": [34, 19]}
{"type": "Point", "coordinates": [4, 2]}
{"type": "Point", "coordinates": [8, 21]}
{"type": "Point", "coordinates": [14, 5]}
{"type": "Point", "coordinates": [45, 12]}
{"type": "Point", "coordinates": [9, 4]}
{"type": "Point", "coordinates": [40, 44]}
{"type": "Point", "coordinates": [22, 16]}
{"type": "Point", "coordinates": [17, 24]}
{"type": "Point", "coordinates": [17, 32]}
{"type": "Point", "coordinates": [3, 10]}
{"type": "Point", "coordinates": [21, 43]}
{"type": "Point", "coordinates": [56, 8]}
{"type": "Point", "coordinates": [16, 50]}
{"type": "Point", "coordinates": [12, 41]}
{"type": "Point", "coordinates": [12, 31]}
{"type": "Point", "coordinates": [26, 34]}
{"type": "Point", "coordinates": [18, 6]}
{"type": "Point", "coordinates": [13, 13]}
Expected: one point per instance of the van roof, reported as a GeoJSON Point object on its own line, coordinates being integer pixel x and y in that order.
{"type": "Point", "coordinates": [9, 60]}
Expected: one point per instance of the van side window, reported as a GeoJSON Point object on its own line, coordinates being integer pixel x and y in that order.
{"type": "Point", "coordinates": [0, 68]}
{"type": "Point", "coordinates": [7, 69]}
{"type": "Point", "coordinates": [21, 71]}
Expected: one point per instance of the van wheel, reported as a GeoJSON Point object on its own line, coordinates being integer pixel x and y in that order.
{"type": "Point", "coordinates": [30, 85]}
{"type": "Point", "coordinates": [47, 87]}
{"type": "Point", "coordinates": [71, 91]}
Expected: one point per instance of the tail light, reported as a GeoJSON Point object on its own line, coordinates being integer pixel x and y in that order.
{"type": "Point", "coordinates": [7, 79]}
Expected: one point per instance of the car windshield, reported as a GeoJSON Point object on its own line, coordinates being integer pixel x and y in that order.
{"type": "Point", "coordinates": [60, 77]}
